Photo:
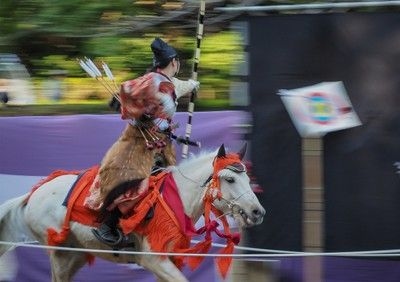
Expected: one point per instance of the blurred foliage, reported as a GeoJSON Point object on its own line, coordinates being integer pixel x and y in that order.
{"type": "Point", "coordinates": [134, 57]}
{"type": "Point", "coordinates": [72, 18]}
{"type": "Point", "coordinates": [58, 32]}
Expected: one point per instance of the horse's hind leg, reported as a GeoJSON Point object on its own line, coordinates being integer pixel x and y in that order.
{"type": "Point", "coordinates": [64, 265]}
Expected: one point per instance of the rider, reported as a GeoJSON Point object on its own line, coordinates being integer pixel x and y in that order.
{"type": "Point", "coordinates": [150, 103]}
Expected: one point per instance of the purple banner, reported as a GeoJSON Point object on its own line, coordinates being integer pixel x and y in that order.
{"type": "Point", "coordinates": [33, 266]}
{"type": "Point", "coordinates": [40, 144]}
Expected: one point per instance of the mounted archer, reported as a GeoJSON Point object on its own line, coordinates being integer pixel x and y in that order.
{"type": "Point", "coordinates": [149, 102]}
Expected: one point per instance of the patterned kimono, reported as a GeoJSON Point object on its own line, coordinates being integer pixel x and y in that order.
{"type": "Point", "coordinates": [129, 158]}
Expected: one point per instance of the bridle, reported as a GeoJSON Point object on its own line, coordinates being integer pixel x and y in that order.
{"type": "Point", "coordinates": [211, 189]}
{"type": "Point", "coordinates": [233, 207]}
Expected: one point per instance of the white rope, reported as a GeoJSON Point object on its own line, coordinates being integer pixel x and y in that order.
{"type": "Point", "coordinates": [275, 254]}
{"type": "Point", "coordinates": [271, 8]}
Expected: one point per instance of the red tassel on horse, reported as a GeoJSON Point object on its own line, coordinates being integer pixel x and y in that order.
{"type": "Point", "coordinates": [55, 238]}
{"type": "Point", "coordinates": [200, 248]}
{"type": "Point", "coordinates": [224, 263]}
{"type": "Point", "coordinates": [139, 213]}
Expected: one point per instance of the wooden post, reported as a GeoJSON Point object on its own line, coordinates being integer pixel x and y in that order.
{"type": "Point", "coordinates": [255, 270]}
{"type": "Point", "coordinates": [313, 207]}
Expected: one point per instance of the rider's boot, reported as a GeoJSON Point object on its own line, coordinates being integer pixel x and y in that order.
{"type": "Point", "coordinates": [108, 232]}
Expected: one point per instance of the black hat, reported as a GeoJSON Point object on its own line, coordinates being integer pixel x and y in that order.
{"type": "Point", "coordinates": [163, 53]}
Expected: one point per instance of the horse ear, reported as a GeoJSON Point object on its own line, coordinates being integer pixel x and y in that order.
{"type": "Point", "coordinates": [221, 152]}
{"type": "Point", "coordinates": [242, 151]}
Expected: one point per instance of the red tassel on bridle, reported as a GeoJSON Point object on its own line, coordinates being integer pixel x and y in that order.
{"type": "Point", "coordinates": [214, 192]}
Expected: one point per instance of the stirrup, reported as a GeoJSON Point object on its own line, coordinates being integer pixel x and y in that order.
{"type": "Point", "coordinates": [114, 244]}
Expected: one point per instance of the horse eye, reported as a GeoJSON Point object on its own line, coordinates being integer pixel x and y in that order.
{"type": "Point", "coordinates": [230, 179]}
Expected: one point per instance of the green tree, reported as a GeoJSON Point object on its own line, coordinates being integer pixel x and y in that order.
{"type": "Point", "coordinates": [50, 35]}
{"type": "Point", "coordinates": [38, 27]}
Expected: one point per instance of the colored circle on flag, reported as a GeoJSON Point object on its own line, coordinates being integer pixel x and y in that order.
{"type": "Point", "coordinates": [321, 108]}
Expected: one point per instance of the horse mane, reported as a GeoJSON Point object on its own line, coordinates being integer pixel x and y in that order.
{"type": "Point", "coordinates": [194, 160]}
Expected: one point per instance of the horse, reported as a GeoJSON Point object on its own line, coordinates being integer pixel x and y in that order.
{"type": "Point", "coordinates": [216, 176]}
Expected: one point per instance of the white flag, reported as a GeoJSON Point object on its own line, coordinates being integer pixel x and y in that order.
{"type": "Point", "coordinates": [318, 109]}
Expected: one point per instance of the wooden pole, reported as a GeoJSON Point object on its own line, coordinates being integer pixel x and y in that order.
{"type": "Point", "coordinates": [313, 207]}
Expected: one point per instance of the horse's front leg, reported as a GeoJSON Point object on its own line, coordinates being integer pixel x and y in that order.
{"type": "Point", "coordinates": [162, 268]}
{"type": "Point", "coordinates": [64, 265]}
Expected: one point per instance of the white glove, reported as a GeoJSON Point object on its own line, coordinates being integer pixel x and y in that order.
{"type": "Point", "coordinates": [183, 87]}
{"type": "Point", "coordinates": [195, 83]}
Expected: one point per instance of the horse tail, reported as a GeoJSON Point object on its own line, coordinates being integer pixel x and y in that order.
{"type": "Point", "coordinates": [12, 223]}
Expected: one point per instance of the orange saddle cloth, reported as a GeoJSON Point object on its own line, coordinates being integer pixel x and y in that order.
{"type": "Point", "coordinates": [75, 201]}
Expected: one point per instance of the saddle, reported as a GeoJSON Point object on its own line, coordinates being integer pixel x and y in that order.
{"type": "Point", "coordinates": [75, 201]}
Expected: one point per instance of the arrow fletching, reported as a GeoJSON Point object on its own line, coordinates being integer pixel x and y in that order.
{"type": "Point", "coordinates": [93, 67]}
{"type": "Point", "coordinates": [107, 71]}
{"type": "Point", "coordinates": [86, 68]}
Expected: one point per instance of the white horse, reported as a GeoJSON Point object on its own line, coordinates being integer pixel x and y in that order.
{"type": "Point", "coordinates": [19, 220]}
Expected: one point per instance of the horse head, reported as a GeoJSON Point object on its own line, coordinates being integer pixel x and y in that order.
{"type": "Point", "coordinates": [234, 195]}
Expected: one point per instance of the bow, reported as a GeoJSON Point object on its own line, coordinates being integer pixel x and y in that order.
{"type": "Point", "coordinates": [199, 37]}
